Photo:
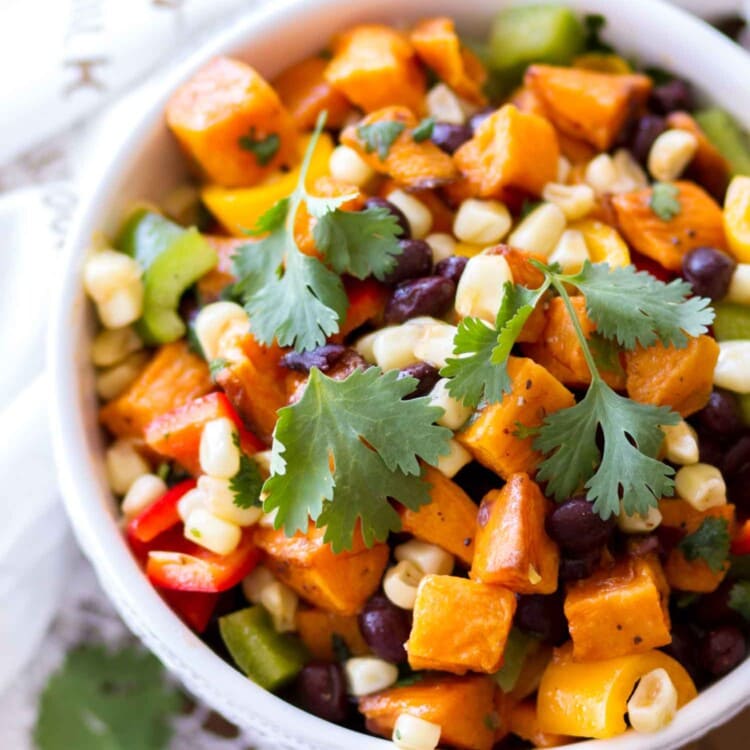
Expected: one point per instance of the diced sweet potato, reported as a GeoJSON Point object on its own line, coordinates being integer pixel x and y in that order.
{"type": "Point", "coordinates": [665, 376]}
{"type": "Point", "coordinates": [459, 705]}
{"type": "Point", "coordinates": [534, 664]}
{"type": "Point", "coordinates": [449, 520]}
{"type": "Point", "coordinates": [499, 157]}
{"type": "Point", "coordinates": [619, 611]}
{"type": "Point", "coordinates": [576, 151]}
{"type": "Point", "coordinates": [698, 224]}
{"type": "Point", "coordinates": [221, 112]}
{"type": "Point", "coordinates": [318, 629]}
{"type": "Point", "coordinates": [559, 350]}
{"type": "Point", "coordinates": [339, 583]}
{"type": "Point", "coordinates": [305, 93]}
{"type": "Point", "coordinates": [524, 722]}
{"type": "Point", "coordinates": [173, 377]}
{"type": "Point", "coordinates": [524, 273]}
{"type": "Point", "coordinates": [491, 438]}
{"type": "Point", "coordinates": [693, 575]}
{"type": "Point", "coordinates": [459, 625]}
{"type": "Point", "coordinates": [412, 164]}
{"type": "Point", "coordinates": [375, 66]}
{"type": "Point", "coordinates": [512, 547]}
{"type": "Point", "coordinates": [211, 285]}
{"type": "Point", "coordinates": [586, 104]}
{"type": "Point", "coordinates": [439, 47]}
{"type": "Point", "coordinates": [367, 301]}
{"type": "Point", "coordinates": [527, 101]}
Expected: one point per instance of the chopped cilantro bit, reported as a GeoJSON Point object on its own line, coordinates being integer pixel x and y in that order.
{"type": "Point", "coordinates": [709, 542]}
{"type": "Point", "coordinates": [594, 24]}
{"type": "Point", "coordinates": [215, 366]}
{"type": "Point", "coordinates": [263, 148]}
{"type": "Point", "coordinates": [247, 483]}
{"type": "Point", "coordinates": [340, 648]}
{"type": "Point", "coordinates": [665, 201]}
{"type": "Point", "coordinates": [423, 131]}
{"type": "Point", "coordinates": [380, 136]}
{"type": "Point", "coordinates": [196, 533]}
{"type": "Point", "coordinates": [739, 598]}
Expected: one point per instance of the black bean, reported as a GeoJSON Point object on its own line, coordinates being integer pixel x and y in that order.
{"type": "Point", "coordinates": [722, 649]}
{"type": "Point", "coordinates": [684, 649]}
{"type": "Point", "coordinates": [674, 95]}
{"type": "Point", "coordinates": [479, 117]}
{"type": "Point", "coordinates": [426, 376]}
{"type": "Point", "coordinates": [710, 449]}
{"type": "Point", "coordinates": [646, 130]}
{"type": "Point", "coordinates": [324, 358]}
{"type": "Point", "coordinates": [452, 268]}
{"type": "Point", "coordinates": [321, 689]}
{"type": "Point", "coordinates": [709, 271]}
{"type": "Point", "coordinates": [713, 609]}
{"type": "Point", "coordinates": [543, 616]}
{"type": "Point", "coordinates": [737, 493]}
{"type": "Point", "coordinates": [476, 480]}
{"type": "Point", "coordinates": [430, 295]}
{"type": "Point", "coordinates": [577, 528]}
{"type": "Point", "coordinates": [385, 628]}
{"type": "Point", "coordinates": [403, 222]}
{"type": "Point", "coordinates": [582, 566]}
{"type": "Point", "coordinates": [414, 261]}
{"type": "Point", "coordinates": [449, 137]}
{"type": "Point", "coordinates": [721, 416]}
{"type": "Point", "coordinates": [737, 459]}
{"type": "Point", "coordinates": [732, 26]}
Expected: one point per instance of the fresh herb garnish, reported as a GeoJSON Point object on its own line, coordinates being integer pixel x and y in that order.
{"type": "Point", "coordinates": [340, 648]}
{"type": "Point", "coordinates": [594, 24]}
{"type": "Point", "coordinates": [664, 201]}
{"type": "Point", "coordinates": [423, 131]}
{"type": "Point", "coordinates": [341, 432]}
{"type": "Point", "coordinates": [628, 307]}
{"type": "Point", "coordinates": [263, 148]}
{"type": "Point", "coordinates": [102, 699]}
{"type": "Point", "coordinates": [297, 299]}
{"type": "Point", "coordinates": [739, 598]}
{"type": "Point", "coordinates": [215, 366]}
{"type": "Point", "coordinates": [380, 136]}
{"type": "Point", "coordinates": [709, 542]}
{"type": "Point", "coordinates": [247, 483]}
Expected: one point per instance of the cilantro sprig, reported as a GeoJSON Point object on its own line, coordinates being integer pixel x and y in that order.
{"type": "Point", "coordinates": [247, 483]}
{"type": "Point", "coordinates": [295, 298]}
{"type": "Point", "coordinates": [665, 200]}
{"type": "Point", "coordinates": [739, 598]}
{"type": "Point", "coordinates": [347, 447]}
{"type": "Point", "coordinates": [629, 308]}
{"type": "Point", "coordinates": [709, 542]}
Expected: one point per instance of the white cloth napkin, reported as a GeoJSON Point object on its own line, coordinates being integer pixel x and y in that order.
{"type": "Point", "coordinates": [59, 74]}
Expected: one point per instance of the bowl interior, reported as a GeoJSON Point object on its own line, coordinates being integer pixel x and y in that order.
{"type": "Point", "coordinates": [137, 159]}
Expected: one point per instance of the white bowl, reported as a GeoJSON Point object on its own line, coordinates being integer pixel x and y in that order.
{"type": "Point", "coordinates": [141, 161]}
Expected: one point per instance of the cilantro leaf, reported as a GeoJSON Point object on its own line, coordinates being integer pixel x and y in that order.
{"type": "Point", "coordinates": [380, 136]}
{"type": "Point", "coordinates": [101, 700]}
{"type": "Point", "coordinates": [664, 201]}
{"type": "Point", "coordinates": [739, 598]}
{"type": "Point", "coordinates": [247, 483]}
{"type": "Point", "coordinates": [635, 308]}
{"type": "Point", "coordinates": [626, 469]}
{"type": "Point", "coordinates": [594, 24]}
{"type": "Point", "coordinates": [709, 542]}
{"type": "Point", "coordinates": [360, 243]}
{"type": "Point", "coordinates": [272, 219]}
{"type": "Point", "coordinates": [348, 446]}
{"type": "Point", "coordinates": [215, 366]}
{"type": "Point", "coordinates": [263, 148]}
{"type": "Point", "coordinates": [518, 648]}
{"type": "Point", "coordinates": [423, 131]}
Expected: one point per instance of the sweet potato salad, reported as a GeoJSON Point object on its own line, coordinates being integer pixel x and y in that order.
{"type": "Point", "coordinates": [429, 395]}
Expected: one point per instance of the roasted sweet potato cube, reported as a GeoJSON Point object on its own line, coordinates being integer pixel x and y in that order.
{"type": "Point", "coordinates": [459, 705]}
{"type": "Point", "coordinates": [449, 520]}
{"type": "Point", "coordinates": [559, 350]}
{"type": "Point", "coordinates": [339, 583]}
{"type": "Point", "coordinates": [318, 630]}
{"type": "Point", "coordinates": [499, 157]}
{"type": "Point", "coordinates": [410, 163]}
{"type": "Point", "coordinates": [439, 47]}
{"type": "Point", "coordinates": [512, 547]}
{"type": "Point", "coordinates": [698, 224]}
{"type": "Point", "coordinates": [523, 721]}
{"type": "Point", "coordinates": [459, 625]}
{"type": "Point", "coordinates": [211, 285]}
{"type": "Point", "coordinates": [586, 104]}
{"type": "Point", "coordinates": [375, 66]}
{"type": "Point", "coordinates": [305, 93]}
{"type": "Point", "coordinates": [666, 376]}
{"type": "Point", "coordinates": [693, 575]}
{"type": "Point", "coordinates": [218, 116]}
{"type": "Point", "coordinates": [619, 611]}
{"type": "Point", "coordinates": [492, 437]}
{"type": "Point", "coordinates": [173, 377]}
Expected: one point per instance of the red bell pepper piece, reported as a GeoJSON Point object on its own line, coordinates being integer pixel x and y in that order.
{"type": "Point", "coordinates": [192, 607]}
{"type": "Point", "coordinates": [643, 263]}
{"type": "Point", "coordinates": [161, 515]}
{"type": "Point", "coordinates": [741, 541]}
{"type": "Point", "coordinates": [188, 567]}
{"type": "Point", "coordinates": [177, 433]}
{"type": "Point", "coordinates": [367, 300]}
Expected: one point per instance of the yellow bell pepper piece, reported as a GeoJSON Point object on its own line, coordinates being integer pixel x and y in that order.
{"type": "Point", "coordinates": [589, 699]}
{"type": "Point", "coordinates": [468, 249]}
{"type": "Point", "coordinates": [737, 218]}
{"type": "Point", "coordinates": [602, 62]}
{"type": "Point", "coordinates": [238, 209]}
{"type": "Point", "coordinates": [604, 243]}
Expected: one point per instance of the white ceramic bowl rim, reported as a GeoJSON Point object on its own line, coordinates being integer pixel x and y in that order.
{"type": "Point", "coordinates": [678, 39]}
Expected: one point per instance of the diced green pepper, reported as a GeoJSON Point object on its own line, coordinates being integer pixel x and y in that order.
{"type": "Point", "coordinates": [172, 259]}
{"type": "Point", "coordinates": [726, 134]}
{"type": "Point", "coordinates": [533, 33]}
{"type": "Point", "coordinates": [732, 321]}
{"type": "Point", "coordinates": [518, 647]}
{"type": "Point", "coordinates": [268, 658]}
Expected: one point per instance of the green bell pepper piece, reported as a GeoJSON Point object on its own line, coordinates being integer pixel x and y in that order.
{"type": "Point", "coordinates": [732, 321]}
{"type": "Point", "coordinates": [268, 658]}
{"type": "Point", "coordinates": [173, 259]}
{"type": "Point", "coordinates": [517, 648]}
{"type": "Point", "coordinates": [728, 137]}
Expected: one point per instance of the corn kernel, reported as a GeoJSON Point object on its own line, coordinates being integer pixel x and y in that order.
{"type": "Point", "coordinates": [435, 345]}
{"type": "Point", "coordinates": [451, 463]}
{"type": "Point", "coordinates": [213, 321]}
{"type": "Point", "coordinates": [737, 218]}
{"type": "Point", "coordinates": [739, 287]}
{"type": "Point", "coordinates": [115, 380]}
{"type": "Point", "coordinates": [219, 455]}
{"type": "Point", "coordinates": [141, 494]}
{"type": "Point", "coordinates": [442, 245]}
{"type": "Point", "coordinates": [281, 603]}
{"type": "Point", "coordinates": [575, 201]}
{"type": "Point", "coordinates": [124, 465]}
{"type": "Point", "coordinates": [564, 168]}
{"type": "Point", "coordinates": [733, 367]}
{"type": "Point", "coordinates": [670, 154]}
{"type": "Point", "coordinates": [112, 346]}
{"type": "Point", "coordinates": [212, 532]}
{"type": "Point", "coordinates": [347, 165]}
{"type": "Point", "coordinates": [417, 214]}
{"type": "Point", "coordinates": [481, 288]}
{"type": "Point", "coordinates": [444, 105]}
{"type": "Point", "coordinates": [393, 346]}
{"type": "Point", "coordinates": [122, 307]}
{"type": "Point", "coordinates": [455, 413]}
{"type": "Point", "coordinates": [400, 584]}
{"type": "Point", "coordinates": [106, 272]}
{"type": "Point", "coordinates": [638, 523]}
{"type": "Point", "coordinates": [219, 499]}
{"type": "Point", "coordinates": [191, 500]}
{"type": "Point", "coordinates": [368, 674]}
{"type": "Point", "coordinates": [680, 443]}
{"type": "Point", "coordinates": [540, 231]}
{"type": "Point", "coordinates": [653, 704]}
{"type": "Point", "coordinates": [571, 251]}
{"type": "Point", "coordinates": [412, 733]}
{"type": "Point", "coordinates": [701, 485]}
{"type": "Point", "coordinates": [429, 558]}
{"type": "Point", "coordinates": [254, 583]}
{"type": "Point", "coordinates": [482, 222]}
